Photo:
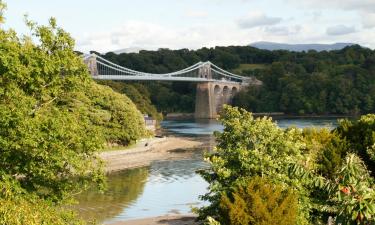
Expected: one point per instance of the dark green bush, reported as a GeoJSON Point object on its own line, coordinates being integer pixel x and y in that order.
{"type": "Point", "coordinates": [360, 135]}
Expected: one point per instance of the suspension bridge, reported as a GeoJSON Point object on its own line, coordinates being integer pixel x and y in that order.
{"type": "Point", "coordinates": [215, 86]}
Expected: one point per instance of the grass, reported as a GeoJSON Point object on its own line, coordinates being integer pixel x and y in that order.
{"type": "Point", "coordinates": [244, 67]}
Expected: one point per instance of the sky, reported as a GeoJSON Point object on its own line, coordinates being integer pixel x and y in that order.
{"type": "Point", "coordinates": [110, 25]}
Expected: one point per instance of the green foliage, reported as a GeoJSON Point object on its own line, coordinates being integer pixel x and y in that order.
{"type": "Point", "coordinates": [259, 202]}
{"type": "Point", "coordinates": [40, 142]}
{"type": "Point", "coordinates": [18, 207]}
{"type": "Point", "coordinates": [353, 193]}
{"type": "Point", "coordinates": [318, 166]}
{"type": "Point", "coordinates": [53, 121]}
{"type": "Point", "coordinates": [325, 150]}
{"type": "Point", "coordinates": [114, 115]}
{"type": "Point", "coordinates": [34, 211]}
{"type": "Point", "coordinates": [314, 83]}
{"type": "Point", "coordinates": [332, 156]}
{"type": "Point", "coordinates": [250, 147]}
{"type": "Point", "coordinates": [360, 135]}
{"type": "Point", "coordinates": [139, 95]}
{"type": "Point", "coordinates": [334, 82]}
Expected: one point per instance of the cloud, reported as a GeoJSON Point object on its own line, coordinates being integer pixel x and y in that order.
{"type": "Point", "coordinates": [340, 30]}
{"type": "Point", "coordinates": [368, 20]}
{"type": "Point", "coordinates": [283, 30]}
{"type": "Point", "coordinates": [316, 15]}
{"type": "Point", "coordinates": [360, 5]}
{"type": "Point", "coordinates": [153, 36]}
{"type": "Point", "coordinates": [196, 14]}
{"type": "Point", "coordinates": [256, 19]}
{"type": "Point", "coordinates": [278, 30]}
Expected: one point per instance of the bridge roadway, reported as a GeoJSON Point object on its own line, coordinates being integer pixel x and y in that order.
{"type": "Point", "coordinates": [158, 78]}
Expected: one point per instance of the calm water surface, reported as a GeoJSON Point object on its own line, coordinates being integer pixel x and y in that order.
{"type": "Point", "coordinates": [164, 187]}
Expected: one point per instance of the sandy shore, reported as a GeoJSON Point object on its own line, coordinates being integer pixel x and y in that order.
{"type": "Point", "coordinates": [162, 220]}
{"type": "Point", "coordinates": [147, 151]}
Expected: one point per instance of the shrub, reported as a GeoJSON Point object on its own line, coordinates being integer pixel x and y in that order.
{"type": "Point", "coordinates": [360, 135]}
{"type": "Point", "coordinates": [259, 202]}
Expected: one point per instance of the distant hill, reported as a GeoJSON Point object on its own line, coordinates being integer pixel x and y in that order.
{"type": "Point", "coordinates": [299, 47]}
{"type": "Point", "coordinates": [128, 50]}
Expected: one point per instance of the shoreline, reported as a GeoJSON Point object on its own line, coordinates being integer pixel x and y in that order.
{"type": "Point", "coordinates": [148, 150]}
{"type": "Point", "coordinates": [188, 219]}
{"type": "Point", "coordinates": [183, 116]}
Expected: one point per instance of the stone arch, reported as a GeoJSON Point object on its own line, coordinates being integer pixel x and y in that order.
{"type": "Point", "coordinates": [233, 91]}
{"type": "Point", "coordinates": [226, 91]}
{"type": "Point", "coordinates": [226, 95]}
{"type": "Point", "coordinates": [217, 89]}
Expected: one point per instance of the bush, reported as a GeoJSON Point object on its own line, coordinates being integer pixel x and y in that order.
{"type": "Point", "coordinates": [34, 212]}
{"type": "Point", "coordinates": [259, 202]}
{"type": "Point", "coordinates": [250, 147]}
{"type": "Point", "coordinates": [139, 94]}
{"type": "Point", "coordinates": [319, 166]}
{"type": "Point", "coordinates": [17, 207]}
{"type": "Point", "coordinates": [360, 135]}
{"type": "Point", "coordinates": [113, 114]}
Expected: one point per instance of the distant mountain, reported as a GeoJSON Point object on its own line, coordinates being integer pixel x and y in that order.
{"type": "Point", "coordinates": [299, 47]}
{"type": "Point", "coordinates": [128, 50]}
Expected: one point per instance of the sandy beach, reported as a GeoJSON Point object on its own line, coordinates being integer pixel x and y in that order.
{"type": "Point", "coordinates": [149, 150]}
{"type": "Point", "coordinates": [162, 220]}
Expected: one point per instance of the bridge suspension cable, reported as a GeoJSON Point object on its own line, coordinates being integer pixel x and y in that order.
{"type": "Point", "coordinates": [104, 69]}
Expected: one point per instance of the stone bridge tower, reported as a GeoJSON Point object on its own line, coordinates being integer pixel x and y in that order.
{"type": "Point", "coordinates": [91, 64]}
{"type": "Point", "coordinates": [212, 95]}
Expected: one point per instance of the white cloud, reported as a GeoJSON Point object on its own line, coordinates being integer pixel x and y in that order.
{"type": "Point", "coordinates": [153, 36]}
{"type": "Point", "coordinates": [340, 30]}
{"type": "Point", "coordinates": [368, 20]}
{"type": "Point", "coordinates": [283, 30]}
{"type": "Point", "coordinates": [196, 14]}
{"type": "Point", "coordinates": [256, 19]}
{"type": "Point", "coordinates": [361, 5]}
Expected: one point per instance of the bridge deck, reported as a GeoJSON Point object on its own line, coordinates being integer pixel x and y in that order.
{"type": "Point", "coordinates": [158, 78]}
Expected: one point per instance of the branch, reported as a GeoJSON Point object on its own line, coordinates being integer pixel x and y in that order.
{"type": "Point", "coordinates": [38, 106]}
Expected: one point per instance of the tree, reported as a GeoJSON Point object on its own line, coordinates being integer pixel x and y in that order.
{"type": "Point", "coordinates": [259, 202]}
{"type": "Point", "coordinates": [318, 166]}
{"type": "Point", "coordinates": [247, 148]}
{"type": "Point", "coordinates": [360, 135]}
{"type": "Point", "coordinates": [49, 132]}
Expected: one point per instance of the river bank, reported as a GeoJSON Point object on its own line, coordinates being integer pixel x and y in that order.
{"type": "Point", "coordinates": [275, 115]}
{"type": "Point", "coordinates": [162, 220]}
{"type": "Point", "coordinates": [149, 150]}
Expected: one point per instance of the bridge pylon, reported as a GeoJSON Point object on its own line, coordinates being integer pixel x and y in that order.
{"type": "Point", "coordinates": [212, 95]}
{"type": "Point", "coordinates": [92, 65]}
{"type": "Point", "coordinates": [205, 71]}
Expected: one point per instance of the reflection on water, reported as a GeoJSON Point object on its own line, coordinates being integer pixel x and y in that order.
{"type": "Point", "coordinates": [162, 188]}
{"type": "Point", "coordinates": [123, 190]}
{"type": "Point", "coordinates": [165, 187]}
{"type": "Point", "coordinates": [307, 122]}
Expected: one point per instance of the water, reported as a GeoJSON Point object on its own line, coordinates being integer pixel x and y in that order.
{"type": "Point", "coordinates": [164, 187]}
{"type": "Point", "coordinates": [207, 127]}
